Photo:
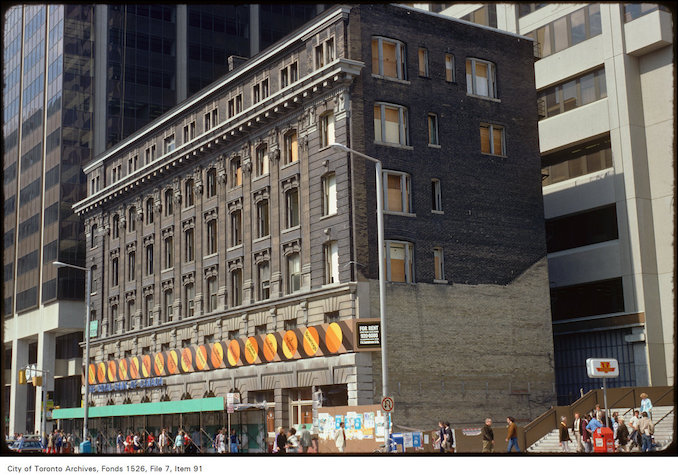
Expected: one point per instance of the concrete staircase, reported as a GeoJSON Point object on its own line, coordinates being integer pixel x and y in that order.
{"type": "Point", "coordinates": [663, 431]}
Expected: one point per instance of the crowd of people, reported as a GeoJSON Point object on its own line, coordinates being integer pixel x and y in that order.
{"type": "Point", "coordinates": [638, 431]}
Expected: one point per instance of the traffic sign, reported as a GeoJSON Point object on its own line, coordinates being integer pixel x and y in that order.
{"type": "Point", "coordinates": [387, 404]}
{"type": "Point", "coordinates": [602, 368]}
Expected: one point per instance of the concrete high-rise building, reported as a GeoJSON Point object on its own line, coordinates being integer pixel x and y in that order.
{"type": "Point", "coordinates": [605, 77]}
{"type": "Point", "coordinates": [78, 79]}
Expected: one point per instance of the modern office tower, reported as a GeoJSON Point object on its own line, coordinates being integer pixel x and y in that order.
{"type": "Point", "coordinates": [78, 79]}
{"type": "Point", "coordinates": [242, 256]}
{"type": "Point", "coordinates": [605, 82]}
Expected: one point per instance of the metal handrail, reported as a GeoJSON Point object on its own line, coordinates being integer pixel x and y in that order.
{"type": "Point", "coordinates": [632, 390]}
{"type": "Point", "coordinates": [665, 415]}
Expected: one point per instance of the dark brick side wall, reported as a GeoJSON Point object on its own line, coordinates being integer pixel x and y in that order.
{"type": "Point", "coordinates": [492, 227]}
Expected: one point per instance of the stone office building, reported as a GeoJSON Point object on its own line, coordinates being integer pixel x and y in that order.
{"type": "Point", "coordinates": [232, 248]}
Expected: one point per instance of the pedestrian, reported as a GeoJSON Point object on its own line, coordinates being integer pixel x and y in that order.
{"type": "Point", "coordinates": [163, 441]}
{"type": "Point", "coordinates": [136, 443]}
{"type": "Point", "coordinates": [594, 425]}
{"type": "Point", "coordinates": [635, 435]}
{"type": "Point", "coordinates": [340, 438]}
{"type": "Point", "coordinates": [128, 444]}
{"type": "Point", "coordinates": [646, 404]}
{"type": "Point", "coordinates": [292, 441]}
{"type": "Point", "coordinates": [58, 444]}
{"type": "Point", "coordinates": [150, 443]}
{"type": "Point", "coordinates": [179, 442]}
{"type": "Point", "coordinates": [597, 412]}
{"type": "Point", "coordinates": [564, 435]}
{"type": "Point", "coordinates": [441, 436]}
{"type": "Point", "coordinates": [305, 440]}
{"type": "Point", "coordinates": [488, 436]}
{"type": "Point", "coordinates": [21, 441]}
{"type": "Point", "coordinates": [622, 435]}
{"type": "Point", "coordinates": [450, 437]}
{"type": "Point", "coordinates": [234, 442]}
{"type": "Point", "coordinates": [100, 443]}
{"type": "Point", "coordinates": [512, 434]}
{"type": "Point", "coordinates": [50, 443]}
{"type": "Point", "coordinates": [615, 424]}
{"type": "Point", "coordinates": [586, 435]}
{"type": "Point", "coordinates": [646, 429]}
{"type": "Point", "coordinates": [578, 428]}
{"type": "Point", "coordinates": [220, 441]}
{"type": "Point", "coordinates": [280, 442]}
{"type": "Point", "coordinates": [120, 443]}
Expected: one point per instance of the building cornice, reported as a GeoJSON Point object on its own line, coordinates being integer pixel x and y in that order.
{"type": "Point", "coordinates": [322, 21]}
{"type": "Point", "coordinates": [232, 130]}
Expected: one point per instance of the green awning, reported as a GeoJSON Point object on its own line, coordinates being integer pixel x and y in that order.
{"type": "Point", "coordinates": [143, 408]}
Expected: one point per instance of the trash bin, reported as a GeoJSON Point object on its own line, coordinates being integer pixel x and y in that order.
{"type": "Point", "coordinates": [603, 440]}
{"type": "Point", "coordinates": [86, 447]}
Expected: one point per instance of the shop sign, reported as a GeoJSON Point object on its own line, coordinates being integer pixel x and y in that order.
{"type": "Point", "coordinates": [231, 400]}
{"type": "Point", "coordinates": [93, 328]}
{"type": "Point", "coordinates": [368, 335]}
{"type": "Point", "coordinates": [303, 342]}
{"type": "Point", "coordinates": [125, 385]}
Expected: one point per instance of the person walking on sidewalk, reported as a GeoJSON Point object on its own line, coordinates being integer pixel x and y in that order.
{"type": "Point", "coordinates": [488, 436]}
{"type": "Point", "coordinates": [340, 438]}
{"type": "Point", "coordinates": [512, 434]}
{"type": "Point", "coordinates": [646, 404]}
{"type": "Point", "coordinates": [564, 435]}
{"type": "Point", "coordinates": [646, 429]}
{"type": "Point", "coordinates": [578, 428]}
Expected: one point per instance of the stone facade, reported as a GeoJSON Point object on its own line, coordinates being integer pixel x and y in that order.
{"type": "Point", "coordinates": [319, 233]}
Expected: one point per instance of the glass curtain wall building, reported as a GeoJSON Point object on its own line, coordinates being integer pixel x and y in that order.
{"type": "Point", "coordinates": [79, 79]}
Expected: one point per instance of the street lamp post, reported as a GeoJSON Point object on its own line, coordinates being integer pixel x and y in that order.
{"type": "Point", "coordinates": [88, 280]}
{"type": "Point", "coordinates": [382, 270]}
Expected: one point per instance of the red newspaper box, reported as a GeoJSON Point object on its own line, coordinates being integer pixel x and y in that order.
{"type": "Point", "coordinates": [603, 440]}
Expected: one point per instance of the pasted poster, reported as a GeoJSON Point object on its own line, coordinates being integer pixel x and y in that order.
{"type": "Point", "coordinates": [379, 424]}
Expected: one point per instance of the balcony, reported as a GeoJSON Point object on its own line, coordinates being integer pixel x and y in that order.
{"type": "Point", "coordinates": [648, 33]}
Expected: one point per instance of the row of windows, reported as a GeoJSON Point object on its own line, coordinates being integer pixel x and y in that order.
{"type": "Point", "coordinates": [568, 31]}
{"type": "Point", "coordinates": [389, 61]}
{"type": "Point", "coordinates": [582, 229]}
{"type": "Point", "coordinates": [636, 10]}
{"type": "Point", "coordinates": [399, 268]}
{"type": "Point", "coordinates": [574, 93]}
{"type": "Point", "coordinates": [577, 161]}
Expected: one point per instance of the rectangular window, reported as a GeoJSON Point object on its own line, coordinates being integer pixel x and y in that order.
{"type": "Point", "coordinates": [212, 237]}
{"type": "Point", "coordinates": [284, 78]}
{"type": "Point", "coordinates": [264, 279]}
{"type": "Point", "coordinates": [190, 299]}
{"type": "Point", "coordinates": [238, 104]}
{"type": "Point", "coordinates": [293, 273]}
{"type": "Point", "coordinates": [397, 192]}
{"type": "Point", "coordinates": [149, 259]}
{"type": "Point", "coordinates": [211, 187]}
{"type": "Point", "coordinates": [388, 58]}
{"type": "Point", "coordinates": [582, 229]}
{"type": "Point", "coordinates": [591, 298]}
{"type": "Point", "coordinates": [215, 117]}
{"type": "Point", "coordinates": [114, 272]}
{"type": "Point", "coordinates": [236, 287]}
{"type": "Point", "coordinates": [436, 196]}
{"type": "Point", "coordinates": [480, 78]}
{"type": "Point", "coordinates": [131, 262]}
{"type": "Point", "coordinates": [399, 262]}
{"type": "Point", "coordinates": [236, 228]}
{"type": "Point", "coordinates": [319, 57]}
{"type": "Point", "coordinates": [438, 264]}
{"type": "Point", "coordinates": [331, 254]}
{"type": "Point", "coordinates": [168, 307]}
{"type": "Point", "coordinates": [235, 172]}
{"type": "Point", "coordinates": [231, 108]}
{"type": "Point", "coordinates": [264, 89]}
{"type": "Point", "coordinates": [189, 246]}
{"type": "Point", "coordinates": [169, 252]}
{"type": "Point", "coordinates": [294, 74]}
{"type": "Point", "coordinates": [292, 208]}
{"type": "Point", "coordinates": [423, 62]}
{"type": "Point", "coordinates": [207, 122]}
{"type": "Point", "coordinates": [576, 161]}
{"type": "Point", "coordinates": [291, 148]}
{"type": "Point", "coordinates": [574, 93]}
{"type": "Point", "coordinates": [449, 68]}
{"type": "Point", "coordinates": [433, 129]}
{"type": "Point", "coordinates": [261, 160]}
{"type": "Point", "coordinates": [256, 95]}
{"type": "Point", "coordinates": [168, 144]}
{"type": "Point", "coordinates": [326, 130]}
{"type": "Point", "coordinates": [148, 310]}
{"type": "Point", "coordinates": [567, 31]}
{"type": "Point", "coordinates": [390, 124]}
{"type": "Point", "coordinates": [212, 294]}
{"type": "Point", "coordinates": [262, 219]}
{"type": "Point", "coordinates": [492, 139]}
{"type": "Point", "coordinates": [329, 196]}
